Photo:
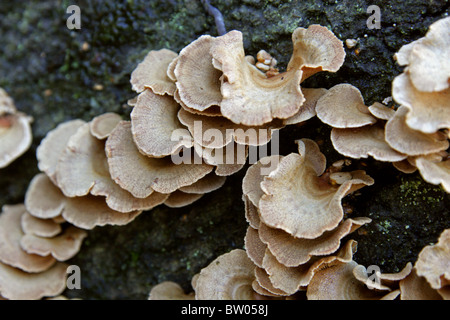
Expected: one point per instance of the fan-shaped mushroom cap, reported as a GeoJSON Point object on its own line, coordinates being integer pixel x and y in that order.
{"type": "Point", "coordinates": [54, 144]}
{"type": "Point", "coordinates": [152, 73]}
{"type": "Point", "coordinates": [414, 287]}
{"type": "Point", "coordinates": [363, 142]}
{"type": "Point", "coordinates": [409, 141]}
{"type": "Point", "coordinates": [339, 283]}
{"type": "Point", "coordinates": [428, 111]}
{"type": "Point", "coordinates": [43, 199]}
{"type": "Point", "coordinates": [292, 251]}
{"type": "Point", "coordinates": [89, 211]}
{"type": "Point", "coordinates": [102, 125]}
{"type": "Point", "coordinates": [288, 280]}
{"type": "Point", "coordinates": [15, 137]}
{"type": "Point", "coordinates": [178, 199]}
{"type": "Point", "coordinates": [10, 234]}
{"type": "Point", "coordinates": [434, 172]}
{"type": "Point", "coordinates": [342, 106]}
{"type": "Point", "coordinates": [251, 183]}
{"type": "Point", "coordinates": [197, 81]}
{"type": "Point", "coordinates": [433, 262]}
{"type": "Point", "coordinates": [228, 277]}
{"type": "Point", "coordinates": [169, 290]}
{"type": "Point", "coordinates": [153, 121]}
{"type": "Point", "coordinates": [45, 228]}
{"type": "Point", "coordinates": [380, 111]}
{"type": "Point", "coordinates": [141, 175]}
{"type": "Point", "coordinates": [209, 183]}
{"type": "Point", "coordinates": [62, 247]}
{"type": "Point", "coordinates": [316, 49]}
{"type": "Point", "coordinates": [429, 58]}
{"type": "Point", "coordinates": [298, 201]}
{"type": "Point", "coordinates": [16, 284]}
{"type": "Point", "coordinates": [249, 96]}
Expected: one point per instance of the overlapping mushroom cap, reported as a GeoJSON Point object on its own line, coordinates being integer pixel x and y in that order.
{"type": "Point", "coordinates": [33, 252]}
{"type": "Point", "coordinates": [15, 131]}
{"type": "Point", "coordinates": [296, 219]}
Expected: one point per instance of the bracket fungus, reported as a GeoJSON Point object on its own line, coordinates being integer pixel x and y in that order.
{"type": "Point", "coordinates": [296, 219]}
{"type": "Point", "coordinates": [29, 274]}
{"type": "Point", "coordinates": [15, 131]}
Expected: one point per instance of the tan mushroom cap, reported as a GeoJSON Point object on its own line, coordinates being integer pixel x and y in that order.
{"type": "Point", "coordinates": [15, 137]}
{"type": "Point", "coordinates": [339, 283]}
{"type": "Point", "coordinates": [298, 201]}
{"type": "Point", "coordinates": [45, 228]}
{"type": "Point", "coordinates": [316, 49]}
{"type": "Point", "coordinates": [434, 172]}
{"type": "Point", "coordinates": [251, 213]}
{"type": "Point", "coordinates": [433, 262]}
{"type": "Point", "coordinates": [16, 284]}
{"type": "Point", "coordinates": [10, 234]}
{"type": "Point", "coordinates": [141, 175]}
{"type": "Point", "coordinates": [198, 82]}
{"type": "Point", "coordinates": [81, 164]}
{"type": "Point", "coordinates": [409, 141]}
{"type": "Point", "coordinates": [169, 290]}
{"type": "Point", "coordinates": [217, 132]}
{"type": "Point", "coordinates": [89, 211]}
{"type": "Point", "coordinates": [429, 59]}
{"type": "Point", "coordinates": [288, 280]}
{"type": "Point", "coordinates": [43, 199]}
{"type": "Point", "coordinates": [249, 96]}
{"type": "Point", "coordinates": [102, 125]}
{"type": "Point", "coordinates": [342, 106]}
{"type": "Point", "coordinates": [292, 251]}
{"type": "Point", "coordinates": [228, 277]}
{"type": "Point", "coordinates": [53, 145]}
{"type": "Point", "coordinates": [62, 247]}
{"type": "Point", "coordinates": [363, 142]}
{"type": "Point", "coordinates": [428, 111]}
{"type": "Point", "coordinates": [178, 199]}
{"type": "Point", "coordinates": [251, 183]}
{"type": "Point", "coordinates": [380, 111]}
{"type": "Point", "coordinates": [308, 109]}
{"type": "Point", "coordinates": [209, 183]}
{"type": "Point", "coordinates": [255, 248]}
{"type": "Point", "coordinates": [152, 73]}
{"type": "Point", "coordinates": [153, 121]}
{"type": "Point", "coordinates": [414, 287]}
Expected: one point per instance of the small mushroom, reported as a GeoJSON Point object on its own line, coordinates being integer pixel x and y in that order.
{"type": "Point", "coordinates": [10, 234]}
{"type": "Point", "coordinates": [102, 125]}
{"type": "Point", "coordinates": [228, 277]}
{"type": "Point", "coordinates": [169, 290]}
{"type": "Point", "coordinates": [16, 284]}
{"type": "Point", "coordinates": [153, 121]}
{"type": "Point", "coordinates": [433, 262]}
{"type": "Point", "coordinates": [151, 73]}
{"type": "Point", "coordinates": [45, 228]}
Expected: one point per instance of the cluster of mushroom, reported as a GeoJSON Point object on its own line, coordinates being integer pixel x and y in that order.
{"type": "Point", "coordinates": [234, 276]}
{"type": "Point", "coordinates": [33, 254]}
{"type": "Point", "coordinates": [423, 92]}
{"type": "Point", "coordinates": [215, 100]}
{"type": "Point", "coordinates": [15, 130]}
{"type": "Point", "coordinates": [416, 135]}
{"type": "Point", "coordinates": [296, 219]}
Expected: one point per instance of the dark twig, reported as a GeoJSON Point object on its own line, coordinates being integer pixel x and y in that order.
{"type": "Point", "coordinates": [218, 18]}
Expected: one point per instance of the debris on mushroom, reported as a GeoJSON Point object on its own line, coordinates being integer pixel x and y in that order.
{"type": "Point", "coordinates": [15, 131]}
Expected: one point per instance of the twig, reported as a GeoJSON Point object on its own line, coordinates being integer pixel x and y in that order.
{"type": "Point", "coordinates": [218, 18]}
